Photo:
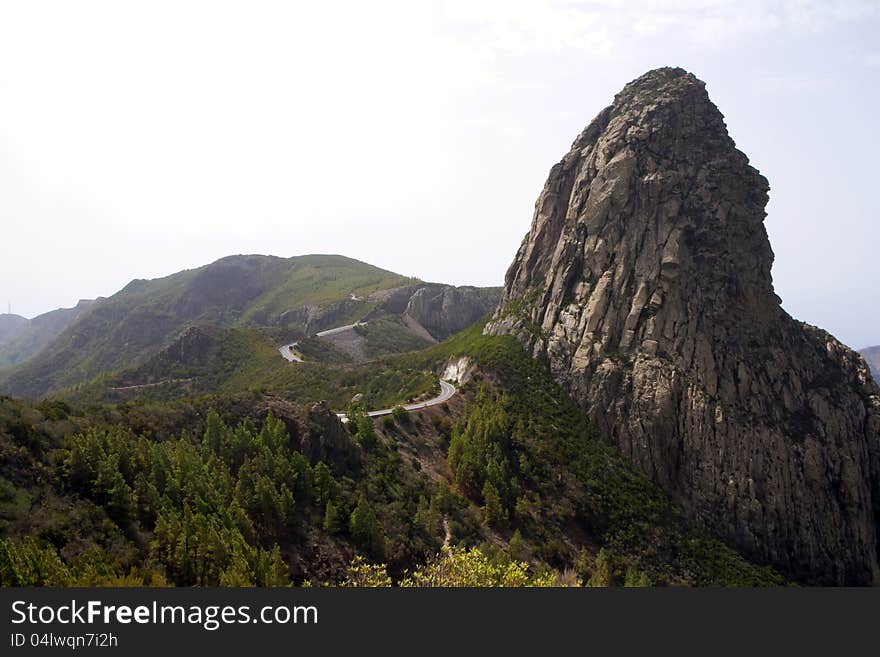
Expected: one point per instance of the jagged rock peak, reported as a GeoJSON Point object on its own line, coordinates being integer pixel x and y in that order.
{"type": "Point", "coordinates": [663, 133]}
{"type": "Point", "coordinates": [645, 284]}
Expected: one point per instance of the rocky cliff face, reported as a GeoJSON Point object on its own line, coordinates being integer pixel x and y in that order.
{"type": "Point", "coordinates": [645, 284]}
{"type": "Point", "coordinates": [444, 309]}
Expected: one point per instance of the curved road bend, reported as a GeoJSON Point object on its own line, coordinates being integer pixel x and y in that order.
{"type": "Point", "coordinates": [447, 390]}
{"type": "Point", "coordinates": [287, 352]}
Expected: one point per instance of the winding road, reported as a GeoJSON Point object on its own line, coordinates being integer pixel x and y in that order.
{"type": "Point", "coordinates": [447, 390]}
{"type": "Point", "coordinates": [287, 350]}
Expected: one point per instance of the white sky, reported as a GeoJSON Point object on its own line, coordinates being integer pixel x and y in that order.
{"type": "Point", "coordinates": [138, 139]}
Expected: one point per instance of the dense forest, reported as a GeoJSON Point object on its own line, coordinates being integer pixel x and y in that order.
{"type": "Point", "coordinates": [504, 485]}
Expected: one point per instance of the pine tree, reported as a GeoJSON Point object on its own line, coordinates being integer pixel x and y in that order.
{"type": "Point", "coordinates": [366, 432]}
{"type": "Point", "coordinates": [517, 547]}
{"type": "Point", "coordinates": [332, 518]}
{"type": "Point", "coordinates": [636, 578]}
{"type": "Point", "coordinates": [216, 432]}
{"type": "Point", "coordinates": [603, 572]}
{"type": "Point", "coordinates": [494, 512]}
{"type": "Point", "coordinates": [366, 530]}
{"type": "Point", "coordinates": [270, 568]}
{"type": "Point", "coordinates": [325, 486]}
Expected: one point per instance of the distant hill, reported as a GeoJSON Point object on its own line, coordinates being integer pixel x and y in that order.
{"type": "Point", "coordinates": [292, 298]}
{"type": "Point", "coordinates": [32, 336]}
{"type": "Point", "coordinates": [10, 326]}
{"type": "Point", "coordinates": [872, 355]}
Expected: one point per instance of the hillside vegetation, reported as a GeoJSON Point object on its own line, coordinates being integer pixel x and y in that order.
{"type": "Point", "coordinates": [252, 489]}
{"type": "Point", "coordinates": [207, 360]}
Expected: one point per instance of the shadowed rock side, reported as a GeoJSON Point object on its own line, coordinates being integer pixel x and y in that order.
{"type": "Point", "coordinates": [645, 284]}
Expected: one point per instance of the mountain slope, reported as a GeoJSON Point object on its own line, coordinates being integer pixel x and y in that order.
{"type": "Point", "coordinates": [645, 284]}
{"type": "Point", "coordinates": [10, 326]}
{"type": "Point", "coordinates": [37, 333]}
{"type": "Point", "coordinates": [125, 327]}
{"type": "Point", "coordinates": [872, 356]}
{"type": "Point", "coordinates": [296, 297]}
{"type": "Point", "coordinates": [207, 360]}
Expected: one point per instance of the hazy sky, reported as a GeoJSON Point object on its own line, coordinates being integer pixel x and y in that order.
{"type": "Point", "coordinates": [138, 139]}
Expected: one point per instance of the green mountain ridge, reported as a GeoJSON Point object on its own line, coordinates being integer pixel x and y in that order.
{"type": "Point", "coordinates": [294, 297]}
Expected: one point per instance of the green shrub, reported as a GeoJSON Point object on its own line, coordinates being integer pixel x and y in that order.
{"type": "Point", "coordinates": [400, 415]}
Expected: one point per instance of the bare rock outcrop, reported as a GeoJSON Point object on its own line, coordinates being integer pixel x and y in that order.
{"type": "Point", "coordinates": [327, 440]}
{"type": "Point", "coordinates": [645, 285]}
{"type": "Point", "coordinates": [443, 309]}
